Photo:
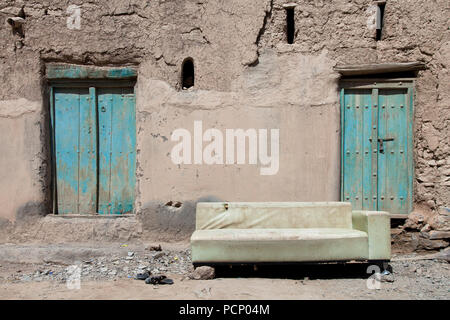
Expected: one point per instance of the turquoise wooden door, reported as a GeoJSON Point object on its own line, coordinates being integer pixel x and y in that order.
{"type": "Point", "coordinates": [376, 148]}
{"type": "Point", "coordinates": [76, 150]}
{"type": "Point", "coordinates": [117, 141]}
{"type": "Point", "coordinates": [94, 147]}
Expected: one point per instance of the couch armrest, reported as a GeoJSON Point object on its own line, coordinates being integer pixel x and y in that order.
{"type": "Point", "coordinates": [377, 224]}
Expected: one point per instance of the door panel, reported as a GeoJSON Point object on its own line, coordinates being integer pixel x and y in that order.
{"type": "Point", "coordinates": [75, 148]}
{"type": "Point", "coordinates": [356, 147]}
{"type": "Point", "coordinates": [105, 105]}
{"type": "Point", "coordinates": [123, 163]}
{"type": "Point", "coordinates": [117, 141]}
{"type": "Point", "coordinates": [393, 187]}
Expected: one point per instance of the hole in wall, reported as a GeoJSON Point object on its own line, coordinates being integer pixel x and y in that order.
{"type": "Point", "coordinates": [16, 24]}
{"type": "Point", "coordinates": [21, 13]}
{"type": "Point", "coordinates": [290, 25]}
{"type": "Point", "coordinates": [175, 204]}
{"type": "Point", "coordinates": [380, 20]}
{"type": "Point", "coordinates": [187, 74]}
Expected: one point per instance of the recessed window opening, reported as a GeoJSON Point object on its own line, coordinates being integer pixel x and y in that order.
{"type": "Point", "coordinates": [290, 25]}
{"type": "Point", "coordinates": [187, 74]}
{"type": "Point", "coordinates": [380, 19]}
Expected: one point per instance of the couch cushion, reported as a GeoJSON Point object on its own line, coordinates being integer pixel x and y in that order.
{"type": "Point", "coordinates": [278, 245]}
{"type": "Point", "coordinates": [248, 215]}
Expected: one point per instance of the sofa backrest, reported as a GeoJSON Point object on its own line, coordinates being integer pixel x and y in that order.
{"type": "Point", "coordinates": [266, 215]}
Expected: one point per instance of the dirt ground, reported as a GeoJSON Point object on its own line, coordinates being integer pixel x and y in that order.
{"type": "Point", "coordinates": [108, 273]}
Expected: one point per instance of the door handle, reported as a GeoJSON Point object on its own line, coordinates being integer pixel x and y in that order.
{"type": "Point", "coordinates": [381, 143]}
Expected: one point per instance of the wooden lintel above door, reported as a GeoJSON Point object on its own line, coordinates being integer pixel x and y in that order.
{"type": "Point", "coordinates": [378, 68]}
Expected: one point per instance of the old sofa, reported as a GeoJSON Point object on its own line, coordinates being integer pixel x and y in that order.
{"type": "Point", "coordinates": [274, 232]}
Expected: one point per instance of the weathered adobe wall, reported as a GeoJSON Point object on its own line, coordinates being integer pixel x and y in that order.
{"type": "Point", "coordinates": [413, 31]}
{"type": "Point", "coordinates": [271, 95]}
{"type": "Point", "coordinates": [247, 76]}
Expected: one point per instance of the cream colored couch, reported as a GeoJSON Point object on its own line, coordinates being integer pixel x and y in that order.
{"type": "Point", "coordinates": [261, 232]}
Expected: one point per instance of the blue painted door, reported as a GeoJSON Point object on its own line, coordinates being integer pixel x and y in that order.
{"type": "Point", "coordinates": [376, 149]}
{"type": "Point", "coordinates": [117, 141]}
{"type": "Point", "coordinates": [76, 150]}
{"type": "Point", "coordinates": [90, 180]}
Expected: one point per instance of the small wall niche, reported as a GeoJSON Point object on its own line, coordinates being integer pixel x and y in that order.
{"type": "Point", "coordinates": [380, 20]}
{"type": "Point", "coordinates": [290, 22]}
{"type": "Point", "coordinates": [187, 74]}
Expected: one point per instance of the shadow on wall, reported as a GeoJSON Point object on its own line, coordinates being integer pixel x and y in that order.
{"type": "Point", "coordinates": [171, 221]}
{"type": "Point", "coordinates": [6, 227]}
{"type": "Point", "coordinates": [26, 216]}
{"type": "Point", "coordinates": [32, 210]}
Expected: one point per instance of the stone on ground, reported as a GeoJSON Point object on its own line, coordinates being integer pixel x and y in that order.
{"type": "Point", "coordinates": [203, 273]}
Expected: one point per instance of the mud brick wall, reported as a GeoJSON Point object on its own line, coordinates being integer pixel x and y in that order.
{"type": "Point", "coordinates": [247, 76]}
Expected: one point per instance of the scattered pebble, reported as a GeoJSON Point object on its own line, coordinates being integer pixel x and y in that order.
{"type": "Point", "coordinates": [158, 255]}
{"type": "Point", "coordinates": [110, 267]}
{"type": "Point", "coordinates": [154, 248]}
{"type": "Point", "coordinates": [203, 273]}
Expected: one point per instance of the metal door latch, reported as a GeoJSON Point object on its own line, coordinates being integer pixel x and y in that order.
{"type": "Point", "coordinates": [381, 143]}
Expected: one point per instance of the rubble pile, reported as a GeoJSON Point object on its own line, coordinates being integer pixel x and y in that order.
{"type": "Point", "coordinates": [424, 230]}
{"type": "Point", "coordinates": [112, 266]}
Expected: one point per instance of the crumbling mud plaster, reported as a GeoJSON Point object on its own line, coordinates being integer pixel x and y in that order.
{"type": "Point", "coordinates": [246, 76]}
